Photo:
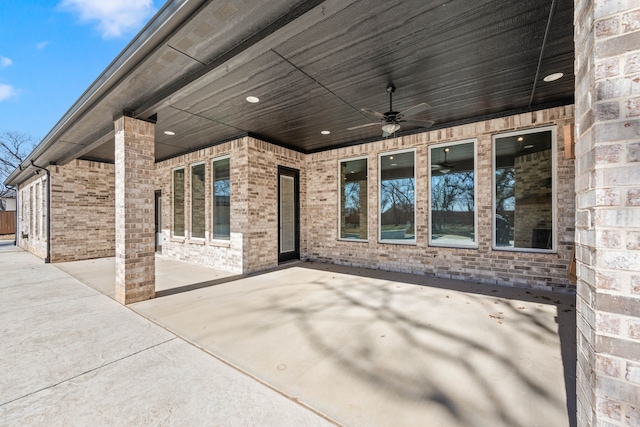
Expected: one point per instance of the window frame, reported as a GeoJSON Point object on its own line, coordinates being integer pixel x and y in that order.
{"type": "Point", "coordinates": [213, 201]}
{"type": "Point", "coordinates": [340, 161]}
{"type": "Point", "coordinates": [191, 211]}
{"type": "Point", "coordinates": [414, 241]}
{"type": "Point", "coordinates": [554, 190]}
{"type": "Point", "coordinates": [173, 203]}
{"type": "Point", "coordinates": [443, 145]}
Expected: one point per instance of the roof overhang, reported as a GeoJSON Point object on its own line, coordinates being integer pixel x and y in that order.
{"type": "Point", "coordinates": [314, 65]}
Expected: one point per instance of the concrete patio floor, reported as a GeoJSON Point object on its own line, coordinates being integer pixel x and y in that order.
{"type": "Point", "coordinates": [71, 356]}
{"type": "Point", "coordinates": [372, 348]}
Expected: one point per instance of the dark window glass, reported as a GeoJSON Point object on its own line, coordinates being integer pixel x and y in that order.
{"type": "Point", "coordinates": [397, 197]}
{"type": "Point", "coordinates": [198, 201]}
{"type": "Point", "coordinates": [178, 202]}
{"type": "Point", "coordinates": [222, 200]}
{"type": "Point", "coordinates": [523, 191]}
{"type": "Point", "coordinates": [353, 199]}
{"type": "Point", "coordinates": [453, 195]}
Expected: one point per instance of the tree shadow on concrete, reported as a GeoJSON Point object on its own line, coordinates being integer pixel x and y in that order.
{"type": "Point", "coordinates": [354, 297]}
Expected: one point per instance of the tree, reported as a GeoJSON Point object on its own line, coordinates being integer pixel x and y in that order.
{"type": "Point", "coordinates": [397, 201]}
{"type": "Point", "coordinates": [14, 148]}
{"type": "Point", "coordinates": [452, 192]}
{"type": "Point", "coordinates": [505, 189]}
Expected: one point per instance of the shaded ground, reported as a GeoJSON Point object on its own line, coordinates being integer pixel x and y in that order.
{"type": "Point", "coordinates": [370, 348]}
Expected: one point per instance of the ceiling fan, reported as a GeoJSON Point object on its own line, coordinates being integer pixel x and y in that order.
{"type": "Point", "coordinates": [391, 120]}
{"type": "Point", "coordinates": [444, 167]}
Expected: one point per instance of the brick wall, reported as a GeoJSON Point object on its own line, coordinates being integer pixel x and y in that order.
{"type": "Point", "coordinates": [607, 68]}
{"type": "Point", "coordinates": [253, 245]}
{"type": "Point", "coordinates": [32, 215]}
{"type": "Point", "coordinates": [134, 212]}
{"type": "Point", "coordinates": [540, 270]}
{"type": "Point", "coordinates": [261, 238]}
{"type": "Point", "coordinates": [82, 211]}
{"type": "Point", "coordinates": [222, 254]}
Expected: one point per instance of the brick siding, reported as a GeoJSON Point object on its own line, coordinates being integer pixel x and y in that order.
{"type": "Point", "coordinates": [253, 245]}
{"type": "Point", "coordinates": [607, 39]}
{"type": "Point", "coordinates": [134, 214]}
{"type": "Point", "coordinates": [539, 270]}
{"type": "Point", "coordinates": [82, 211]}
{"type": "Point", "coordinates": [222, 254]}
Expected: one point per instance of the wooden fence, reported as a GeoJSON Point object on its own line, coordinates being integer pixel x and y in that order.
{"type": "Point", "coordinates": [7, 222]}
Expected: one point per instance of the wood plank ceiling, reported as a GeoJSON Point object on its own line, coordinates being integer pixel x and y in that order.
{"type": "Point", "coordinates": [314, 67]}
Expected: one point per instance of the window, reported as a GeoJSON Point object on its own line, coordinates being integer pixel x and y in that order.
{"type": "Point", "coordinates": [178, 202]}
{"type": "Point", "coordinates": [453, 185]}
{"type": "Point", "coordinates": [198, 194]}
{"type": "Point", "coordinates": [32, 212]}
{"type": "Point", "coordinates": [397, 197]}
{"type": "Point", "coordinates": [523, 193]}
{"type": "Point", "coordinates": [353, 199]}
{"type": "Point", "coordinates": [221, 199]}
{"type": "Point", "coordinates": [37, 210]}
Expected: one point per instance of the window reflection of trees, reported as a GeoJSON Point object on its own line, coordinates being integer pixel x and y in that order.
{"type": "Point", "coordinates": [451, 194]}
{"type": "Point", "coordinates": [198, 212]}
{"type": "Point", "coordinates": [505, 189]}
{"type": "Point", "coordinates": [453, 215]}
{"type": "Point", "coordinates": [178, 202]}
{"type": "Point", "coordinates": [353, 199]}
{"type": "Point", "coordinates": [397, 202]}
{"type": "Point", "coordinates": [222, 199]}
{"type": "Point", "coordinates": [351, 210]}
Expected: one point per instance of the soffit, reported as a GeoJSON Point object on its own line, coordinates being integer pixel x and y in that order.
{"type": "Point", "coordinates": [314, 71]}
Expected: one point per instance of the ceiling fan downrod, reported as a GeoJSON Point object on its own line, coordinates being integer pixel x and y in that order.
{"type": "Point", "coordinates": [390, 89]}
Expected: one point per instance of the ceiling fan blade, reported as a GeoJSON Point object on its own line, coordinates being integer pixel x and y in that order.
{"type": "Point", "coordinates": [363, 126]}
{"type": "Point", "coordinates": [414, 110]}
{"type": "Point", "coordinates": [421, 123]}
{"type": "Point", "coordinates": [372, 113]}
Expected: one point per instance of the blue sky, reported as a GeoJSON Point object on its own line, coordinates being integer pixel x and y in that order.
{"type": "Point", "coordinates": [52, 50]}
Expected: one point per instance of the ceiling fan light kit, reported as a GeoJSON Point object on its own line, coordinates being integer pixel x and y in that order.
{"type": "Point", "coordinates": [390, 127]}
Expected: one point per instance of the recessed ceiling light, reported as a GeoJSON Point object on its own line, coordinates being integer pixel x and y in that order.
{"type": "Point", "coordinates": [394, 164]}
{"type": "Point", "coordinates": [520, 139]}
{"type": "Point", "coordinates": [553, 77]}
{"type": "Point", "coordinates": [168, 132]}
{"type": "Point", "coordinates": [528, 146]}
{"type": "Point", "coordinates": [390, 157]}
{"type": "Point", "coordinates": [253, 99]}
{"type": "Point", "coordinates": [353, 171]}
{"type": "Point", "coordinates": [325, 132]}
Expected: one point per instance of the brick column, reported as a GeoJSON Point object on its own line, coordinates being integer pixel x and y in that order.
{"type": "Point", "coordinates": [135, 227]}
{"type": "Point", "coordinates": [607, 69]}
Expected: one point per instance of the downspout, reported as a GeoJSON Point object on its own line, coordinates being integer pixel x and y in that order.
{"type": "Point", "coordinates": [15, 236]}
{"type": "Point", "coordinates": [47, 260]}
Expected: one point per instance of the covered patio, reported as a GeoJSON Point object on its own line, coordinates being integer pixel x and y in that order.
{"type": "Point", "coordinates": [373, 348]}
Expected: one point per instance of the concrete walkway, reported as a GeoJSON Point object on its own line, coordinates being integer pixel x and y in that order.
{"type": "Point", "coordinates": [71, 356]}
{"type": "Point", "coordinates": [369, 348]}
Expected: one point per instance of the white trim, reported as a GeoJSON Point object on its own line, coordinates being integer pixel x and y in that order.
{"type": "Point", "coordinates": [554, 190]}
{"type": "Point", "coordinates": [173, 201]}
{"type": "Point", "coordinates": [340, 161]}
{"type": "Point", "coordinates": [473, 245]}
{"type": "Point", "coordinates": [379, 196]}
{"type": "Point", "coordinates": [218, 241]}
